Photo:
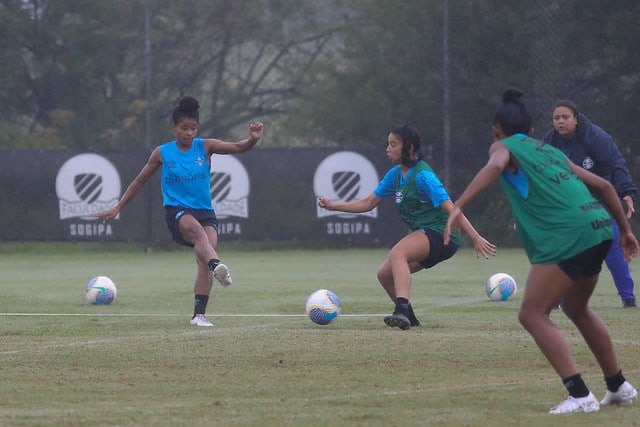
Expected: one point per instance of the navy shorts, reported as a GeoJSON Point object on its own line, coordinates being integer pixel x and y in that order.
{"type": "Point", "coordinates": [587, 263]}
{"type": "Point", "coordinates": [438, 251]}
{"type": "Point", "coordinates": [173, 214]}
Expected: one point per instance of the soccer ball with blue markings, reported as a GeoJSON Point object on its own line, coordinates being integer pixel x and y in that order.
{"type": "Point", "coordinates": [323, 307]}
{"type": "Point", "coordinates": [101, 291]}
{"type": "Point", "coordinates": [501, 287]}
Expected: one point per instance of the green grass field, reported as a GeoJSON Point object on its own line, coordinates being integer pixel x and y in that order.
{"type": "Point", "coordinates": [138, 362]}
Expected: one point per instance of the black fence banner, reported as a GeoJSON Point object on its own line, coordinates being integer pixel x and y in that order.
{"type": "Point", "coordinates": [266, 194]}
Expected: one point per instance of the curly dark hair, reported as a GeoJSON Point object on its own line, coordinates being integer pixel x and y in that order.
{"type": "Point", "coordinates": [187, 109]}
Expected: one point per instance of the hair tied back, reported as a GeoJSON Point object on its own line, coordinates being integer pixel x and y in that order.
{"type": "Point", "coordinates": [512, 96]}
{"type": "Point", "coordinates": [188, 104]}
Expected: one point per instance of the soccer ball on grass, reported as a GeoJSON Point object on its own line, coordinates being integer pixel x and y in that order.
{"type": "Point", "coordinates": [501, 287]}
{"type": "Point", "coordinates": [101, 291]}
{"type": "Point", "coordinates": [323, 306]}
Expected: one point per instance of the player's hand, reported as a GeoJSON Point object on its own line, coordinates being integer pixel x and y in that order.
{"type": "Point", "coordinates": [255, 131]}
{"type": "Point", "coordinates": [324, 202]}
{"type": "Point", "coordinates": [106, 216]}
{"type": "Point", "coordinates": [629, 246]}
{"type": "Point", "coordinates": [628, 200]}
{"type": "Point", "coordinates": [484, 247]}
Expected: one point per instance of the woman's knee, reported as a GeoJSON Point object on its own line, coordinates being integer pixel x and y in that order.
{"type": "Point", "coordinates": [394, 253]}
{"type": "Point", "coordinates": [523, 318]}
{"type": "Point", "coordinates": [577, 314]}
{"type": "Point", "coordinates": [383, 274]}
{"type": "Point", "coordinates": [192, 231]}
{"type": "Point", "coordinates": [527, 316]}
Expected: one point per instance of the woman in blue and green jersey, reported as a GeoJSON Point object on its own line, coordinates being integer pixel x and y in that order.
{"type": "Point", "coordinates": [423, 203]}
{"type": "Point", "coordinates": [566, 234]}
{"type": "Point", "coordinates": [186, 193]}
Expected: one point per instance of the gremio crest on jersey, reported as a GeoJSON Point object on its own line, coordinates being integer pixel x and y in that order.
{"type": "Point", "coordinates": [587, 163]}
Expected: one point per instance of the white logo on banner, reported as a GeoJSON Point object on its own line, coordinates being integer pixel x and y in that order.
{"type": "Point", "coordinates": [229, 187]}
{"type": "Point", "coordinates": [86, 183]}
{"type": "Point", "coordinates": [342, 177]}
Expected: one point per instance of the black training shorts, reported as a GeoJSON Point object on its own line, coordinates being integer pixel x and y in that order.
{"type": "Point", "coordinates": [205, 217]}
{"type": "Point", "coordinates": [438, 251]}
{"type": "Point", "coordinates": [587, 263]}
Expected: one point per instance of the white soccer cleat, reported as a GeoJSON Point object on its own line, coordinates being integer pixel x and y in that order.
{"type": "Point", "coordinates": [222, 275]}
{"type": "Point", "coordinates": [577, 404]}
{"type": "Point", "coordinates": [625, 395]}
{"type": "Point", "coordinates": [200, 320]}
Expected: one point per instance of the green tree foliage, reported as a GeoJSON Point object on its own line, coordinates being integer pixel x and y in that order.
{"type": "Point", "coordinates": [390, 60]}
{"type": "Point", "coordinates": [334, 72]}
{"type": "Point", "coordinates": [243, 59]}
{"type": "Point", "coordinates": [386, 69]}
{"type": "Point", "coordinates": [76, 70]}
{"type": "Point", "coordinates": [62, 65]}
{"type": "Point", "coordinates": [597, 65]}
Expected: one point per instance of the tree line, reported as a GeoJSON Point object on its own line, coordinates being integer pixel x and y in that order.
{"type": "Point", "coordinates": [97, 75]}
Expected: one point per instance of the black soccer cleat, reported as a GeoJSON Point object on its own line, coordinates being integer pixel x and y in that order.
{"type": "Point", "coordinates": [414, 322]}
{"type": "Point", "coordinates": [398, 321]}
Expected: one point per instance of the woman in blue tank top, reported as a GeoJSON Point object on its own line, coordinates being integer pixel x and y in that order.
{"type": "Point", "coordinates": [185, 164]}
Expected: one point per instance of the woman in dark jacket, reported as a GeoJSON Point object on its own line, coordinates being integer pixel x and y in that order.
{"type": "Point", "coordinates": [587, 145]}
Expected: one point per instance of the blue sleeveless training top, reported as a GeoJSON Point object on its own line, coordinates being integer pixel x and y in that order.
{"type": "Point", "coordinates": [186, 178]}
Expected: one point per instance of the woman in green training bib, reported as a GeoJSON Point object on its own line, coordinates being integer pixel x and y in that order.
{"type": "Point", "coordinates": [423, 203]}
{"type": "Point", "coordinates": [566, 234]}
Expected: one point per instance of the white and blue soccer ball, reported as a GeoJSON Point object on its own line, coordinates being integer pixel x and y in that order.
{"type": "Point", "coordinates": [101, 291]}
{"type": "Point", "coordinates": [501, 287]}
{"type": "Point", "coordinates": [323, 307]}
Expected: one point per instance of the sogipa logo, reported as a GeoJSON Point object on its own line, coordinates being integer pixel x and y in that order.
{"type": "Point", "coordinates": [345, 176]}
{"type": "Point", "coordinates": [229, 192]}
{"type": "Point", "coordinates": [86, 183]}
